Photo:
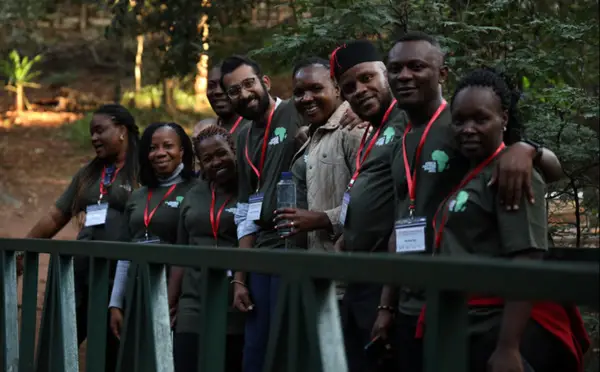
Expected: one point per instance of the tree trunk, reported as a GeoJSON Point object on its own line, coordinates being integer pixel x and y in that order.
{"type": "Point", "coordinates": [118, 70]}
{"type": "Point", "coordinates": [83, 17]}
{"type": "Point", "coordinates": [19, 99]}
{"type": "Point", "coordinates": [168, 100]}
{"type": "Point", "coordinates": [201, 80]}
{"type": "Point", "coordinates": [138, 63]}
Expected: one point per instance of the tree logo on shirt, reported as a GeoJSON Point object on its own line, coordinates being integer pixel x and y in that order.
{"type": "Point", "coordinates": [387, 137]}
{"type": "Point", "coordinates": [438, 163]}
{"type": "Point", "coordinates": [459, 203]}
{"type": "Point", "coordinates": [280, 134]}
{"type": "Point", "coordinates": [175, 203]}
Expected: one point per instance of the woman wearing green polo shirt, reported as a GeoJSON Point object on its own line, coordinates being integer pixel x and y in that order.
{"type": "Point", "coordinates": [207, 219]}
{"type": "Point", "coordinates": [100, 189]}
{"type": "Point", "coordinates": [505, 336]}
{"type": "Point", "coordinates": [152, 212]}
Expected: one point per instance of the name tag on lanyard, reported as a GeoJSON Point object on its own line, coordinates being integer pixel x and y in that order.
{"type": "Point", "coordinates": [148, 240]}
{"type": "Point", "coordinates": [255, 207]}
{"type": "Point", "coordinates": [344, 208]}
{"type": "Point", "coordinates": [95, 214]}
{"type": "Point", "coordinates": [410, 235]}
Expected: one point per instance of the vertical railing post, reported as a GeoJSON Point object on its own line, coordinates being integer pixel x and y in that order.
{"type": "Point", "coordinates": [446, 332]}
{"type": "Point", "coordinates": [9, 358]}
{"type": "Point", "coordinates": [213, 336]}
{"type": "Point", "coordinates": [28, 312]}
{"type": "Point", "coordinates": [161, 323]}
{"type": "Point", "coordinates": [97, 315]}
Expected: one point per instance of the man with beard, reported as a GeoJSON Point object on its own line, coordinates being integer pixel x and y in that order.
{"type": "Point", "coordinates": [426, 166]}
{"type": "Point", "coordinates": [361, 75]}
{"type": "Point", "coordinates": [264, 150]}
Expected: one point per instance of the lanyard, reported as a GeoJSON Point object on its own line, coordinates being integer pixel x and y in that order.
{"type": "Point", "coordinates": [148, 217]}
{"type": "Point", "coordinates": [411, 178]}
{"type": "Point", "coordinates": [439, 230]}
{"type": "Point", "coordinates": [359, 160]}
{"type": "Point", "coordinates": [258, 171]}
{"type": "Point", "coordinates": [215, 221]}
{"type": "Point", "coordinates": [103, 190]}
{"type": "Point", "coordinates": [237, 122]}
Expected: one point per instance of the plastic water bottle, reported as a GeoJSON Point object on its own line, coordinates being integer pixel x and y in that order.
{"type": "Point", "coordinates": [286, 196]}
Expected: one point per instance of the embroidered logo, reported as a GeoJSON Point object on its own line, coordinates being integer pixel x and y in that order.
{"type": "Point", "coordinates": [231, 210]}
{"type": "Point", "coordinates": [459, 203]}
{"type": "Point", "coordinates": [175, 203]}
{"type": "Point", "coordinates": [279, 135]}
{"type": "Point", "coordinates": [386, 137]}
{"type": "Point", "coordinates": [438, 163]}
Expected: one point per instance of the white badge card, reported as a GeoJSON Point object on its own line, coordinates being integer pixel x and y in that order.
{"type": "Point", "coordinates": [255, 206]}
{"type": "Point", "coordinates": [148, 240]}
{"type": "Point", "coordinates": [95, 214]}
{"type": "Point", "coordinates": [410, 235]}
{"type": "Point", "coordinates": [344, 208]}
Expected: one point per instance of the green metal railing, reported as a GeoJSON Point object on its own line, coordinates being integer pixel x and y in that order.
{"type": "Point", "coordinates": [306, 333]}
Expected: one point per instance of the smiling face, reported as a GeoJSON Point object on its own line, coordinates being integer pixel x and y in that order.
{"type": "Point", "coordinates": [166, 151]}
{"type": "Point", "coordinates": [315, 95]}
{"type": "Point", "coordinates": [365, 87]}
{"type": "Point", "coordinates": [415, 72]}
{"type": "Point", "coordinates": [216, 96]}
{"type": "Point", "coordinates": [106, 136]}
{"type": "Point", "coordinates": [217, 160]}
{"type": "Point", "coordinates": [478, 121]}
{"type": "Point", "coordinates": [249, 94]}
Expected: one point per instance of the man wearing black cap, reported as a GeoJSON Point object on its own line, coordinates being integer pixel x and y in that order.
{"type": "Point", "coordinates": [416, 70]}
{"type": "Point", "coordinates": [361, 74]}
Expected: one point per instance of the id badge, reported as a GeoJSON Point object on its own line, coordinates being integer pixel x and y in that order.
{"type": "Point", "coordinates": [148, 240]}
{"type": "Point", "coordinates": [410, 235]}
{"type": "Point", "coordinates": [95, 214]}
{"type": "Point", "coordinates": [344, 208]}
{"type": "Point", "coordinates": [255, 206]}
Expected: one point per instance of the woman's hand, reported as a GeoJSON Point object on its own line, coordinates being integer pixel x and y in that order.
{"type": "Point", "coordinates": [300, 220]}
{"type": "Point", "coordinates": [382, 325]}
{"type": "Point", "coordinates": [116, 321]}
{"type": "Point", "coordinates": [241, 297]}
{"type": "Point", "coordinates": [350, 121]}
{"type": "Point", "coordinates": [505, 360]}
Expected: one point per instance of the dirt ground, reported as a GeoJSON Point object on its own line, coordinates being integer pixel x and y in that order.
{"type": "Point", "coordinates": [36, 165]}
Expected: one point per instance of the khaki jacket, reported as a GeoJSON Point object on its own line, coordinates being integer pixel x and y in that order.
{"type": "Point", "coordinates": [330, 163]}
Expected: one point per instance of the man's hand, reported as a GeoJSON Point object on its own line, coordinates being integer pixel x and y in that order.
{"type": "Point", "coordinates": [350, 121]}
{"type": "Point", "coordinates": [512, 174]}
{"type": "Point", "coordinates": [241, 298]}
{"type": "Point", "coordinates": [382, 325]}
{"type": "Point", "coordinates": [300, 220]}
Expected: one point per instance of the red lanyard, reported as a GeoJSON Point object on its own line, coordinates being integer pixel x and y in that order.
{"type": "Point", "coordinates": [237, 122]}
{"type": "Point", "coordinates": [148, 217]}
{"type": "Point", "coordinates": [359, 160]}
{"type": "Point", "coordinates": [103, 190]}
{"type": "Point", "coordinates": [411, 178]}
{"type": "Point", "coordinates": [215, 221]}
{"type": "Point", "coordinates": [263, 154]}
{"type": "Point", "coordinates": [439, 230]}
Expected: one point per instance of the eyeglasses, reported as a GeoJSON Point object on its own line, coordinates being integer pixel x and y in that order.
{"type": "Point", "coordinates": [234, 91]}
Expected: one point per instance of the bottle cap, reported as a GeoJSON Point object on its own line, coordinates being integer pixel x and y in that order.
{"type": "Point", "coordinates": [286, 175]}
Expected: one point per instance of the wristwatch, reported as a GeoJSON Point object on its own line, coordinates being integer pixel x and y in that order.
{"type": "Point", "coordinates": [537, 147]}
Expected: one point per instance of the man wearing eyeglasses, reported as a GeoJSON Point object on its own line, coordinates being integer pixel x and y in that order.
{"type": "Point", "coordinates": [264, 150]}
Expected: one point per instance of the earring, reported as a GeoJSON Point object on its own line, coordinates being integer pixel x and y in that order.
{"type": "Point", "coordinates": [122, 137]}
{"type": "Point", "coordinates": [504, 129]}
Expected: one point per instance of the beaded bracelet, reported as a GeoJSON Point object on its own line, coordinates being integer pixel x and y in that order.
{"type": "Point", "coordinates": [386, 308]}
{"type": "Point", "coordinates": [237, 282]}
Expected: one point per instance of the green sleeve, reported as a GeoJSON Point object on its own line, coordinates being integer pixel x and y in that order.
{"type": "Point", "coordinates": [351, 143]}
{"type": "Point", "coordinates": [527, 227]}
{"type": "Point", "coordinates": [183, 236]}
{"type": "Point", "coordinates": [243, 181]}
{"type": "Point", "coordinates": [125, 234]}
{"type": "Point", "coordinates": [65, 201]}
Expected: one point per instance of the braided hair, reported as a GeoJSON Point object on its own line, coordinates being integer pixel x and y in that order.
{"type": "Point", "coordinates": [211, 131]}
{"type": "Point", "coordinates": [509, 97]}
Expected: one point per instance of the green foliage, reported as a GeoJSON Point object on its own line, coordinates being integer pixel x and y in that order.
{"type": "Point", "coordinates": [19, 71]}
{"type": "Point", "coordinates": [150, 96]}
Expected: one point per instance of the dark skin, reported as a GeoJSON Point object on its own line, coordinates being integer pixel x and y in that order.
{"type": "Point", "coordinates": [416, 71]}
{"type": "Point", "coordinates": [479, 121]}
{"type": "Point", "coordinates": [316, 97]}
{"type": "Point", "coordinates": [218, 99]}
{"type": "Point", "coordinates": [165, 156]}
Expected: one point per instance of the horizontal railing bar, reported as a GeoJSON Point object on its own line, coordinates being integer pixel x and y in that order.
{"type": "Point", "coordinates": [559, 281]}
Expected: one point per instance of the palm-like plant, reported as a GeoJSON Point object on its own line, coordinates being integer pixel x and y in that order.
{"type": "Point", "coordinates": [20, 74]}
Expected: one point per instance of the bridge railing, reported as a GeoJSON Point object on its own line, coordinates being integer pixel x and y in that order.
{"type": "Point", "coordinates": [305, 333]}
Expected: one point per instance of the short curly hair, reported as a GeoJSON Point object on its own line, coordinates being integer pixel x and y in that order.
{"type": "Point", "coordinates": [502, 87]}
{"type": "Point", "coordinates": [212, 131]}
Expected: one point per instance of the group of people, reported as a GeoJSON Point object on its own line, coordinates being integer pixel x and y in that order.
{"type": "Point", "coordinates": [382, 163]}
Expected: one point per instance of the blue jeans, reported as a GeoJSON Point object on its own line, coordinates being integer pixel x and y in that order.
{"type": "Point", "coordinates": [263, 293]}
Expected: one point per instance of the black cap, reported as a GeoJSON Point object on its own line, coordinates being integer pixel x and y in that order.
{"type": "Point", "coordinates": [351, 54]}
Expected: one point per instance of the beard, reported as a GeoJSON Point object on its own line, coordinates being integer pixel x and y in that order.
{"type": "Point", "coordinates": [257, 112]}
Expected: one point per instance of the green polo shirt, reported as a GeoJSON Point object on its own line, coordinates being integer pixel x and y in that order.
{"type": "Point", "coordinates": [281, 147]}
{"type": "Point", "coordinates": [195, 229]}
{"type": "Point", "coordinates": [478, 224]}
{"type": "Point", "coordinates": [370, 214]}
